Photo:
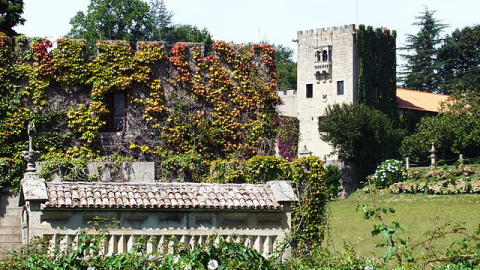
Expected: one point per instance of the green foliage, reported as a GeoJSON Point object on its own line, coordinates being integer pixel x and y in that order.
{"type": "Point", "coordinates": [309, 217]}
{"type": "Point", "coordinates": [112, 20]}
{"type": "Point", "coordinates": [332, 180]}
{"type": "Point", "coordinates": [217, 107]}
{"type": "Point", "coordinates": [183, 167]}
{"type": "Point", "coordinates": [87, 254]}
{"type": "Point", "coordinates": [387, 173]}
{"type": "Point", "coordinates": [422, 61]}
{"type": "Point", "coordinates": [460, 60]}
{"type": "Point", "coordinates": [190, 33]}
{"type": "Point", "coordinates": [11, 15]}
{"type": "Point", "coordinates": [376, 84]}
{"type": "Point", "coordinates": [11, 172]}
{"type": "Point", "coordinates": [286, 68]}
{"type": "Point", "coordinates": [361, 136]}
{"type": "Point", "coordinates": [261, 169]}
{"type": "Point", "coordinates": [454, 131]}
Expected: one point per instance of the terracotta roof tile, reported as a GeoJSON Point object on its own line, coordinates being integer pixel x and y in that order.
{"type": "Point", "coordinates": [160, 196]}
{"type": "Point", "coordinates": [420, 101]}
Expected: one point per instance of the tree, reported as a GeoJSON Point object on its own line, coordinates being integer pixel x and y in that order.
{"type": "Point", "coordinates": [128, 20]}
{"type": "Point", "coordinates": [189, 33]}
{"type": "Point", "coordinates": [161, 19]}
{"type": "Point", "coordinates": [454, 131]}
{"type": "Point", "coordinates": [360, 135]}
{"type": "Point", "coordinates": [422, 64]}
{"type": "Point", "coordinates": [286, 68]}
{"type": "Point", "coordinates": [10, 16]}
{"type": "Point", "coordinates": [460, 58]}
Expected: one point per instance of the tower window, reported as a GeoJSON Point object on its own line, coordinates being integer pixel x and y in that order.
{"type": "Point", "coordinates": [340, 89]}
{"type": "Point", "coordinates": [310, 90]}
{"type": "Point", "coordinates": [317, 56]}
{"type": "Point", "coordinates": [325, 56]}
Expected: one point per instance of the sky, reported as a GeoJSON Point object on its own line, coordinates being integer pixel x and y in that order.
{"type": "Point", "coordinates": [275, 21]}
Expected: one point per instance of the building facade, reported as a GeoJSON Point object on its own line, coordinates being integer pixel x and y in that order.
{"type": "Point", "coordinates": [341, 65]}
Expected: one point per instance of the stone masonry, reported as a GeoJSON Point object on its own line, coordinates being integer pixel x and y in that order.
{"type": "Point", "coordinates": [327, 74]}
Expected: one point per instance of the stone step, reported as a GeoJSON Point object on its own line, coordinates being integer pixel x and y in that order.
{"type": "Point", "coordinates": [11, 230]}
{"type": "Point", "coordinates": [10, 238]}
{"type": "Point", "coordinates": [11, 221]}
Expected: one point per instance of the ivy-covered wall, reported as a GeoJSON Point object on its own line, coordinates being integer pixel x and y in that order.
{"type": "Point", "coordinates": [377, 68]}
{"type": "Point", "coordinates": [203, 108]}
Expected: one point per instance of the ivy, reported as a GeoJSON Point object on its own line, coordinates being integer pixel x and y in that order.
{"type": "Point", "coordinates": [217, 107]}
{"type": "Point", "coordinates": [377, 59]}
{"type": "Point", "coordinates": [309, 218]}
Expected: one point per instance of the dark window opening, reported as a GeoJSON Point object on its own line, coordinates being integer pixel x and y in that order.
{"type": "Point", "coordinates": [309, 90]}
{"type": "Point", "coordinates": [115, 118]}
{"type": "Point", "coordinates": [317, 56]}
{"type": "Point", "coordinates": [340, 88]}
{"type": "Point", "coordinates": [325, 56]}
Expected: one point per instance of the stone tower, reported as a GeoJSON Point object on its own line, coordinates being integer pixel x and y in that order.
{"type": "Point", "coordinates": [329, 71]}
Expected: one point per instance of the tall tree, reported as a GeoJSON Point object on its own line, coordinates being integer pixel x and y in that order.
{"type": "Point", "coordinates": [286, 68]}
{"type": "Point", "coordinates": [421, 70]}
{"type": "Point", "coordinates": [361, 136]}
{"type": "Point", "coordinates": [460, 57]}
{"type": "Point", "coordinates": [161, 19]}
{"type": "Point", "coordinates": [10, 16]}
{"type": "Point", "coordinates": [128, 20]}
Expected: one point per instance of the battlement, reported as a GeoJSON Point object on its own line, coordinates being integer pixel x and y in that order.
{"type": "Point", "coordinates": [350, 28]}
{"type": "Point", "coordinates": [341, 29]}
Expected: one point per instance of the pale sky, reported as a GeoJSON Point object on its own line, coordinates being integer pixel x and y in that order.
{"type": "Point", "coordinates": [276, 21]}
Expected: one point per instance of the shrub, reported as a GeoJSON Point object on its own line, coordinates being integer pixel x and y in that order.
{"type": "Point", "coordinates": [332, 180]}
{"type": "Point", "coordinates": [389, 172]}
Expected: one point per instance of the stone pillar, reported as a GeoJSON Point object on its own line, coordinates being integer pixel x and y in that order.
{"type": "Point", "coordinates": [433, 156]}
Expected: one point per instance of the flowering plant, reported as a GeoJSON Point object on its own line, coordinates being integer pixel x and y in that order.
{"type": "Point", "coordinates": [387, 173]}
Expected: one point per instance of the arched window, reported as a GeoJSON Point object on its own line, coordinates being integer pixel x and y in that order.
{"type": "Point", "coordinates": [317, 56]}
{"type": "Point", "coordinates": [325, 55]}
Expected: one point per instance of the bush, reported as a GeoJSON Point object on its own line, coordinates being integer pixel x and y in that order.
{"type": "Point", "coordinates": [332, 180]}
{"type": "Point", "coordinates": [389, 172]}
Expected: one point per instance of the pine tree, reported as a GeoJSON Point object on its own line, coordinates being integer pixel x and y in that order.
{"type": "Point", "coordinates": [10, 16]}
{"type": "Point", "coordinates": [421, 70]}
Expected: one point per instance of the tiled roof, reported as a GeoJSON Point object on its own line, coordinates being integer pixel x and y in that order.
{"type": "Point", "coordinates": [420, 101]}
{"type": "Point", "coordinates": [160, 196]}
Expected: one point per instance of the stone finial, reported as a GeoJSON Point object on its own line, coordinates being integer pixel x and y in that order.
{"type": "Point", "coordinates": [304, 152]}
{"type": "Point", "coordinates": [31, 156]}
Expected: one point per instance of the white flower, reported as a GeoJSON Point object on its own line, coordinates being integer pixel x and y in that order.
{"type": "Point", "coordinates": [91, 268]}
{"type": "Point", "coordinates": [368, 268]}
{"type": "Point", "coordinates": [212, 265]}
{"type": "Point", "coordinates": [176, 259]}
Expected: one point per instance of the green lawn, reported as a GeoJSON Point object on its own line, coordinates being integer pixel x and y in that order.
{"type": "Point", "coordinates": [416, 213]}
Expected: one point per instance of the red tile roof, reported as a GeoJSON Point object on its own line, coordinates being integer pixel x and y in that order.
{"type": "Point", "coordinates": [160, 196]}
{"type": "Point", "coordinates": [419, 101]}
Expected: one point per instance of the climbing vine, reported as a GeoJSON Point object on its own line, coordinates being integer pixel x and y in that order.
{"type": "Point", "coordinates": [377, 59]}
{"type": "Point", "coordinates": [213, 108]}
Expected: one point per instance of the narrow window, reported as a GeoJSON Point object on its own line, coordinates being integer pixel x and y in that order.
{"type": "Point", "coordinates": [115, 118]}
{"type": "Point", "coordinates": [317, 56]}
{"type": "Point", "coordinates": [374, 91]}
{"type": "Point", "coordinates": [340, 90]}
{"type": "Point", "coordinates": [309, 90]}
{"type": "Point", "coordinates": [325, 56]}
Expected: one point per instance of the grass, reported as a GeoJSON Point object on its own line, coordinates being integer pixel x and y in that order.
{"type": "Point", "coordinates": [416, 213]}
